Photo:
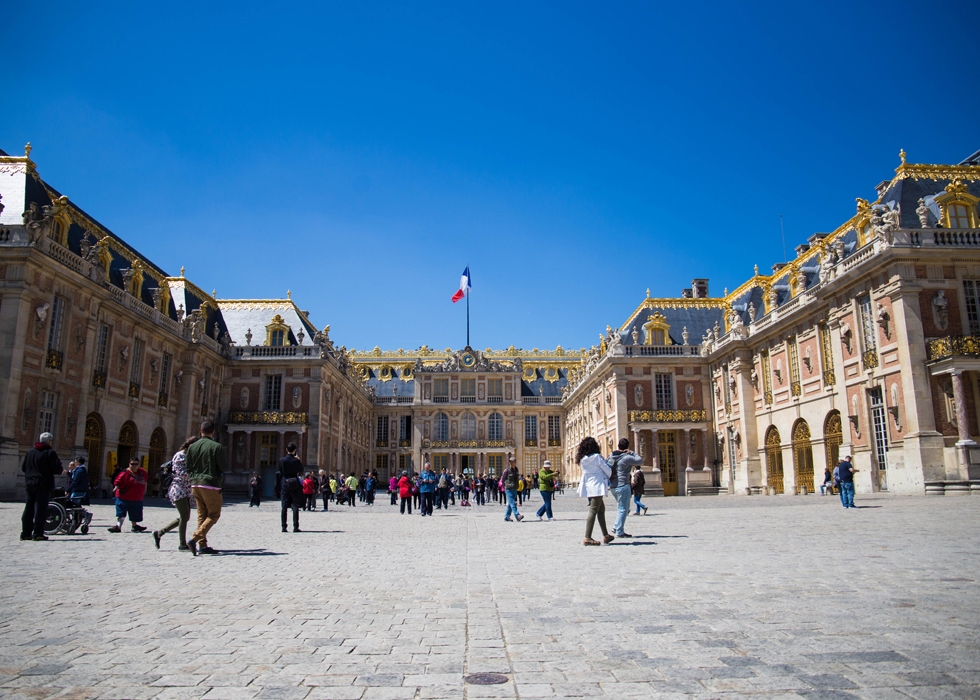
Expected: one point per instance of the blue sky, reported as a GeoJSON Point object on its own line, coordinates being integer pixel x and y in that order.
{"type": "Point", "coordinates": [573, 154]}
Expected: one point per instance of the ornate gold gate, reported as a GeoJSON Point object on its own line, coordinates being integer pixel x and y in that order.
{"type": "Point", "coordinates": [774, 459]}
{"type": "Point", "coordinates": [156, 458]}
{"type": "Point", "coordinates": [667, 461]}
{"type": "Point", "coordinates": [833, 436]}
{"type": "Point", "coordinates": [803, 456]}
{"type": "Point", "coordinates": [128, 440]}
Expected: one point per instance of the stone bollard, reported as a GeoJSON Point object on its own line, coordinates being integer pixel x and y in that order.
{"type": "Point", "coordinates": [803, 490]}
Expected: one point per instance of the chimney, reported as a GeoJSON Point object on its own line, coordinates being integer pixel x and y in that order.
{"type": "Point", "coordinates": [700, 288]}
{"type": "Point", "coordinates": [687, 294]}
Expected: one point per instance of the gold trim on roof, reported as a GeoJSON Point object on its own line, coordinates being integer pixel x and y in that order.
{"type": "Point", "coordinates": [675, 303]}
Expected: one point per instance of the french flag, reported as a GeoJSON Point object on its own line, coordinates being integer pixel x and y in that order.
{"type": "Point", "coordinates": [465, 285]}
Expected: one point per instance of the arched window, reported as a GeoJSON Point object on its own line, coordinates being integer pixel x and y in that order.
{"type": "Point", "coordinates": [440, 428]}
{"type": "Point", "coordinates": [495, 427]}
{"type": "Point", "coordinates": [467, 427]}
{"type": "Point", "coordinates": [958, 206]}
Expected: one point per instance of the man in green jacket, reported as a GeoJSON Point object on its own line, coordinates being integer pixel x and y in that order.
{"type": "Point", "coordinates": [206, 465]}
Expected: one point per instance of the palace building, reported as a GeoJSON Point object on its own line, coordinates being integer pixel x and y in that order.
{"type": "Point", "coordinates": [866, 343]}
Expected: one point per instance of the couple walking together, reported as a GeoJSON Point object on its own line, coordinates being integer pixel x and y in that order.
{"type": "Point", "coordinates": [600, 475]}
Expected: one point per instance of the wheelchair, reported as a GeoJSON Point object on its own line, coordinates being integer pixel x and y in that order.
{"type": "Point", "coordinates": [65, 516]}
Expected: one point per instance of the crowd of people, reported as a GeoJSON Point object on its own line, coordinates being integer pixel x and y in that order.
{"type": "Point", "coordinates": [196, 471]}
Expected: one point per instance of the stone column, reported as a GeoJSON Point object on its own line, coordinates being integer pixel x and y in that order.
{"type": "Point", "coordinates": [687, 447]}
{"type": "Point", "coordinates": [654, 448]}
{"type": "Point", "coordinates": [922, 444]}
{"type": "Point", "coordinates": [704, 448]}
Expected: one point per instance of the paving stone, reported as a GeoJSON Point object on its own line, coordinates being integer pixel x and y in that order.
{"type": "Point", "coordinates": [358, 608]}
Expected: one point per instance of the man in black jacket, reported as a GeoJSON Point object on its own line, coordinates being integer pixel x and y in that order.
{"type": "Point", "coordinates": [289, 485]}
{"type": "Point", "coordinates": [41, 464]}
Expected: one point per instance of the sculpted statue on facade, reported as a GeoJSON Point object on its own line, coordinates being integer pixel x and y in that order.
{"type": "Point", "coordinates": [685, 335]}
{"type": "Point", "coordinates": [751, 312]}
{"type": "Point", "coordinates": [801, 280]}
{"type": "Point", "coordinates": [892, 218]}
{"type": "Point", "coordinates": [33, 222]}
{"type": "Point", "coordinates": [940, 309]}
{"type": "Point", "coordinates": [922, 211]}
{"type": "Point", "coordinates": [635, 334]}
{"type": "Point", "coordinates": [826, 266]}
{"type": "Point", "coordinates": [615, 343]}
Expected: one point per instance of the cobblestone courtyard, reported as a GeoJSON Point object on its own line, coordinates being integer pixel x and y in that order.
{"type": "Point", "coordinates": [713, 597]}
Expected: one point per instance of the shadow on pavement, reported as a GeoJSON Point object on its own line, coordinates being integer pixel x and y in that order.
{"type": "Point", "coordinates": [662, 537]}
{"type": "Point", "coordinates": [247, 553]}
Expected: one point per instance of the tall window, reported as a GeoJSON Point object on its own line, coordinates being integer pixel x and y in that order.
{"type": "Point", "coordinates": [495, 465]}
{"type": "Point", "coordinates": [880, 427]}
{"type": "Point", "coordinates": [665, 391]}
{"type": "Point", "coordinates": [206, 391]}
{"type": "Point", "coordinates": [467, 427]}
{"type": "Point", "coordinates": [827, 356]}
{"type": "Point", "coordinates": [467, 391]}
{"type": "Point", "coordinates": [136, 367]}
{"type": "Point", "coordinates": [440, 428]}
{"type": "Point", "coordinates": [268, 449]}
{"type": "Point", "coordinates": [554, 431]}
{"type": "Point", "coordinates": [440, 389]}
{"type": "Point", "coordinates": [972, 314]}
{"type": "Point", "coordinates": [273, 392]}
{"type": "Point", "coordinates": [794, 368]}
{"type": "Point", "coordinates": [440, 462]}
{"type": "Point", "coordinates": [381, 464]}
{"type": "Point", "coordinates": [57, 324]}
{"type": "Point", "coordinates": [530, 464]}
{"type": "Point", "coordinates": [495, 427]}
{"type": "Point", "coordinates": [165, 375]}
{"type": "Point", "coordinates": [405, 431]}
{"type": "Point", "coordinates": [101, 348]}
{"type": "Point", "coordinates": [766, 378]}
{"type": "Point", "coordinates": [495, 390]}
{"type": "Point", "coordinates": [277, 338]}
{"type": "Point", "coordinates": [531, 431]}
{"type": "Point", "coordinates": [382, 431]}
{"type": "Point", "coordinates": [46, 414]}
{"type": "Point", "coordinates": [868, 332]}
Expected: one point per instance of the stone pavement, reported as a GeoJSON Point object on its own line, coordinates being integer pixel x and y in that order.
{"type": "Point", "coordinates": [713, 597]}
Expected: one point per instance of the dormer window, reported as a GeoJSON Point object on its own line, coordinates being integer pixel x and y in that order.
{"type": "Point", "coordinates": [959, 207]}
{"type": "Point", "coordinates": [656, 330]}
{"type": "Point", "coordinates": [277, 332]}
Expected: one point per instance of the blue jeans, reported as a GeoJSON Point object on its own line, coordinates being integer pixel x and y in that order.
{"type": "Point", "coordinates": [639, 503]}
{"type": "Point", "coordinates": [511, 503]}
{"type": "Point", "coordinates": [546, 506]}
{"type": "Point", "coordinates": [847, 493]}
{"type": "Point", "coordinates": [622, 496]}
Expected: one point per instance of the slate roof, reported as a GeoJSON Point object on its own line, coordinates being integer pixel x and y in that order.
{"type": "Point", "coordinates": [240, 315]}
{"type": "Point", "coordinates": [679, 313]}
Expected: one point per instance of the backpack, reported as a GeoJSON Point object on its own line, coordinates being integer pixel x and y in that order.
{"type": "Point", "coordinates": [443, 482]}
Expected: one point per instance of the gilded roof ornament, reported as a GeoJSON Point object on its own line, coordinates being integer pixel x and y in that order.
{"type": "Point", "coordinates": [181, 270]}
{"type": "Point", "coordinates": [956, 187]}
{"type": "Point", "coordinates": [27, 149]}
{"type": "Point", "coordinates": [901, 154]}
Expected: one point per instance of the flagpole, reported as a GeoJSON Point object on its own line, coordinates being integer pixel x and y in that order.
{"type": "Point", "coordinates": [468, 309]}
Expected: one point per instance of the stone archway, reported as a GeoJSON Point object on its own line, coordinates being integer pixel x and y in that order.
{"type": "Point", "coordinates": [803, 456]}
{"type": "Point", "coordinates": [129, 440]}
{"type": "Point", "coordinates": [774, 459]}
{"type": "Point", "coordinates": [155, 458]}
{"type": "Point", "coordinates": [94, 444]}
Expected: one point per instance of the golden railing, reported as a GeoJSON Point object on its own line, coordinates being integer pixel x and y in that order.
{"type": "Point", "coordinates": [941, 348]}
{"type": "Point", "coordinates": [266, 418]}
{"type": "Point", "coordinates": [697, 415]}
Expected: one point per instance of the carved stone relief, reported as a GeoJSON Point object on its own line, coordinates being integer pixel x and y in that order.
{"type": "Point", "coordinates": [243, 398]}
{"type": "Point", "coordinates": [689, 395]}
{"type": "Point", "coordinates": [940, 310]}
{"type": "Point", "coordinates": [297, 397]}
{"type": "Point", "coordinates": [638, 395]}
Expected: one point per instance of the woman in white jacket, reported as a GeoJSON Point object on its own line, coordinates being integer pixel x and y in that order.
{"type": "Point", "coordinates": [594, 484]}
